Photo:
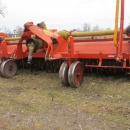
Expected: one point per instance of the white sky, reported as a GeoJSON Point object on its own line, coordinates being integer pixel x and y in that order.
{"type": "Point", "coordinates": [62, 14]}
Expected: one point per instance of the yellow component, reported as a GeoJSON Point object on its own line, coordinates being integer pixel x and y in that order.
{"type": "Point", "coordinates": [34, 44]}
{"type": "Point", "coordinates": [95, 33]}
{"type": "Point", "coordinates": [42, 25]}
{"type": "Point", "coordinates": [33, 36]}
{"type": "Point", "coordinates": [30, 47]}
{"type": "Point", "coordinates": [16, 38]}
{"type": "Point", "coordinates": [48, 32]}
{"type": "Point", "coordinates": [64, 34]}
{"type": "Point", "coordinates": [11, 38]}
{"type": "Point", "coordinates": [116, 23]}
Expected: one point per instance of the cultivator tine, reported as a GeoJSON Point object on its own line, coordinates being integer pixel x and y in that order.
{"type": "Point", "coordinates": [55, 66]}
{"type": "Point", "coordinates": [97, 71]}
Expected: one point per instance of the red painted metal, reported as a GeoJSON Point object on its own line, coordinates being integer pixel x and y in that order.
{"type": "Point", "coordinates": [119, 56]}
{"type": "Point", "coordinates": [65, 49]}
{"type": "Point", "coordinates": [70, 49]}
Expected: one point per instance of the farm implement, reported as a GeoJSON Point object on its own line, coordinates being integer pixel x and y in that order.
{"type": "Point", "coordinates": [70, 53]}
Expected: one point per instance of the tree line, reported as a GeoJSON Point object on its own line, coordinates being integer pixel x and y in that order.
{"type": "Point", "coordinates": [18, 29]}
{"type": "Point", "coordinates": [87, 28]}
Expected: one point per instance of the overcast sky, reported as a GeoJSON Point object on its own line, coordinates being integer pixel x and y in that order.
{"type": "Point", "coordinates": [62, 14]}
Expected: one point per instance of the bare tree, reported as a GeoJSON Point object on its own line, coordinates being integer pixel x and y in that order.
{"type": "Point", "coordinates": [108, 29]}
{"type": "Point", "coordinates": [19, 30]}
{"type": "Point", "coordinates": [3, 10]}
{"type": "Point", "coordinates": [78, 30]}
{"type": "Point", "coordinates": [96, 28]}
{"type": "Point", "coordinates": [86, 27]}
{"type": "Point", "coordinates": [7, 31]}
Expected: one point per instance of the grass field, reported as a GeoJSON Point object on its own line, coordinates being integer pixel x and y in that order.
{"type": "Point", "coordinates": [37, 101]}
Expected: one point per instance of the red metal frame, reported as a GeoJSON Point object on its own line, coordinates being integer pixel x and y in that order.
{"type": "Point", "coordinates": [70, 49]}
{"type": "Point", "coordinates": [119, 54]}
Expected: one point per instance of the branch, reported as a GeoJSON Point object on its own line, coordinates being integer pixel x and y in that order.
{"type": "Point", "coordinates": [3, 10]}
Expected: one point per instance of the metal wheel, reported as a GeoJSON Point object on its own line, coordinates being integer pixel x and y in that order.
{"type": "Point", "coordinates": [75, 74]}
{"type": "Point", "coordinates": [63, 74]}
{"type": "Point", "coordinates": [8, 68]}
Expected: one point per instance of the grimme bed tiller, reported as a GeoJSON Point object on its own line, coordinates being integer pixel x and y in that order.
{"type": "Point", "coordinates": [51, 50]}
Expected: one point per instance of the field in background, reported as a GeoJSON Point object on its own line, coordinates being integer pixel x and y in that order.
{"type": "Point", "coordinates": [37, 101]}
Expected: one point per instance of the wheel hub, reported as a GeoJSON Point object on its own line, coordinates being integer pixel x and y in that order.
{"type": "Point", "coordinates": [10, 68]}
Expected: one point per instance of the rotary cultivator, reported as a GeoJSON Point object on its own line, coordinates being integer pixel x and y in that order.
{"type": "Point", "coordinates": [62, 51]}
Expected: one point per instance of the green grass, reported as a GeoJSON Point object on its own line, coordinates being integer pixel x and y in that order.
{"type": "Point", "coordinates": [29, 95]}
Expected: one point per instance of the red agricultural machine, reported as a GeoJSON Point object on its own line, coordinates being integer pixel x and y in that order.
{"type": "Point", "coordinates": [62, 51]}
